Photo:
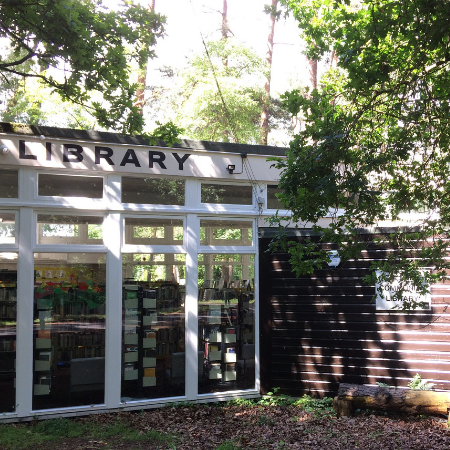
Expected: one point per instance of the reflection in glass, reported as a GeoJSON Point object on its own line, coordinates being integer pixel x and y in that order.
{"type": "Point", "coordinates": [226, 193]}
{"type": "Point", "coordinates": [70, 186]}
{"type": "Point", "coordinates": [226, 232]}
{"type": "Point", "coordinates": [154, 191]}
{"type": "Point", "coordinates": [272, 200]}
{"type": "Point", "coordinates": [69, 330]}
{"type": "Point", "coordinates": [153, 350]}
{"type": "Point", "coordinates": [9, 183]}
{"type": "Point", "coordinates": [7, 228]}
{"type": "Point", "coordinates": [148, 231]}
{"type": "Point", "coordinates": [62, 229]}
{"type": "Point", "coordinates": [8, 317]}
{"type": "Point", "coordinates": [226, 312]}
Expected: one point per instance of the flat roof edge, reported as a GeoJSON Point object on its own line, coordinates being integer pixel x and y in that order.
{"type": "Point", "coordinates": [118, 138]}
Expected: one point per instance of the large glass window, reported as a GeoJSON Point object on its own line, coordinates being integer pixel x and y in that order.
{"type": "Point", "coordinates": [70, 186]}
{"type": "Point", "coordinates": [61, 229]}
{"type": "Point", "coordinates": [226, 232]}
{"type": "Point", "coordinates": [8, 317]}
{"type": "Point", "coordinates": [7, 228]}
{"type": "Point", "coordinates": [147, 231]}
{"type": "Point", "coordinates": [153, 350]}
{"type": "Point", "coordinates": [9, 183]}
{"type": "Point", "coordinates": [226, 194]}
{"type": "Point", "coordinates": [69, 329]}
{"type": "Point", "coordinates": [272, 200]}
{"type": "Point", "coordinates": [226, 311]}
{"type": "Point", "coordinates": [155, 191]}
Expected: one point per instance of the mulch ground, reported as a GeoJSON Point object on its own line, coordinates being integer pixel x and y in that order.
{"type": "Point", "coordinates": [269, 427]}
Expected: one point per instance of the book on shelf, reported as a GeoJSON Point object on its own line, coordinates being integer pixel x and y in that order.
{"type": "Point", "coordinates": [44, 334]}
{"type": "Point", "coordinates": [128, 367]}
{"type": "Point", "coordinates": [45, 356]}
{"type": "Point", "coordinates": [150, 372]}
{"type": "Point", "coordinates": [231, 350]}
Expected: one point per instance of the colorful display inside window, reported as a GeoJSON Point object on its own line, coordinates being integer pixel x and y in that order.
{"type": "Point", "coordinates": [69, 330]}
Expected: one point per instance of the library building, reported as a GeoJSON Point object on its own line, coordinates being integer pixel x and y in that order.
{"type": "Point", "coordinates": [128, 272]}
{"type": "Point", "coordinates": [134, 276]}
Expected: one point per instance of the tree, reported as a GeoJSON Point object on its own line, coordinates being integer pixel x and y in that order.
{"type": "Point", "coordinates": [274, 16]}
{"type": "Point", "coordinates": [221, 102]}
{"type": "Point", "coordinates": [79, 48]}
{"type": "Point", "coordinates": [142, 75]}
{"type": "Point", "coordinates": [376, 143]}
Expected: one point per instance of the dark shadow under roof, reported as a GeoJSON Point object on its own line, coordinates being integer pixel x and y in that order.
{"type": "Point", "coordinates": [116, 138]}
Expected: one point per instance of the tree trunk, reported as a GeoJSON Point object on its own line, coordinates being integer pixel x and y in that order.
{"type": "Point", "coordinates": [265, 104]}
{"type": "Point", "coordinates": [353, 396]}
{"type": "Point", "coordinates": [312, 73]}
{"type": "Point", "coordinates": [142, 77]}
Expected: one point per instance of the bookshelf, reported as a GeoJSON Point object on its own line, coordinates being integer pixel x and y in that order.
{"type": "Point", "coordinates": [153, 330]}
{"type": "Point", "coordinates": [8, 315]}
{"type": "Point", "coordinates": [226, 325]}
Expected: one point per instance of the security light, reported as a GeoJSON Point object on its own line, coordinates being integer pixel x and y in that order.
{"type": "Point", "coordinates": [231, 168]}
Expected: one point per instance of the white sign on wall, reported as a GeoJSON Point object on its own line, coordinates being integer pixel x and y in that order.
{"type": "Point", "coordinates": [335, 259]}
{"type": "Point", "coordinates": [385, 297]}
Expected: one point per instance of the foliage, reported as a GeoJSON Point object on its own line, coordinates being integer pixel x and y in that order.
{"type": "Point", "coordinates": [167, 132]}
{"type": "Point", "coordinates": [418, 384]}
{"type": "Point", "coordinates": [317, 407]}
{"type": "Point", "coordinates": [221, 102]}
{"type": "Point", "coordinates": [384, 385]}
{"type": "Point", "coordinates": [80, 49]}
{"type": "Point", "coordinates": [376, 140]}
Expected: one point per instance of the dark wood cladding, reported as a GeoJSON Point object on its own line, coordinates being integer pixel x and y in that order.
{"type": "Point", "coordinates": [321, 330]}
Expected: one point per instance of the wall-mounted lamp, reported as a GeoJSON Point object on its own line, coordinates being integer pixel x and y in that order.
{"type": "Point", "coordinates": [231, 168]}
{"type": "Point", "coordinates": [4, 150]}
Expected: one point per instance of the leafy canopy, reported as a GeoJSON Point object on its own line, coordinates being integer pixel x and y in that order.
{"type": "Point", "coordinates": [376, 140]}
{"type": "Point", "coordinates": [231, 114]}
{"type": "Point", "coordinates": [79, 48]}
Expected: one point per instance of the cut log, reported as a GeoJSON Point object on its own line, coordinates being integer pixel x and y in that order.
{"type": "Point", "coordinates": [354, 396]}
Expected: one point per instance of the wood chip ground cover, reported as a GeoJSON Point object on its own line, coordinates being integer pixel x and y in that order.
{"type": "Point", "coordinates": [233, 427]}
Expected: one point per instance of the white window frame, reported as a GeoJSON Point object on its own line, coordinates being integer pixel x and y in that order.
{"type": "Point", "coordinates": [153, 206]}
{"type": "Point", "coordinates": [73, 240]}
{"type": "Point", "coordinates": [225, 207]}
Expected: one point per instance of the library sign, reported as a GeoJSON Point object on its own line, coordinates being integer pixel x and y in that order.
{"type": "Point", "coordinates": [385, 292]}
{"type": "Point", "coordinates": [81, 155]}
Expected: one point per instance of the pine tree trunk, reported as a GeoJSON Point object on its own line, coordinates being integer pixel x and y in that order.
{"type": "Point", "coordinates": [264, 123]}
{"type": "Point", "coordinates": [142, 77]}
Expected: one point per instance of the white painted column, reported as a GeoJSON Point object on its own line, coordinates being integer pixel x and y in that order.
{"type": "Point", "coordinates": [191, 309]}
{"type": "Point", "coordinates": [25, 298]}
{"type": "Point", "coordinates": [112, 237]}
{"type": "Point", "coordinates": [257, 349]}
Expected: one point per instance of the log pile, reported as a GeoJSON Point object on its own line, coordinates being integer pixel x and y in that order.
{"type": "Point", "coordinates": [354, 396]}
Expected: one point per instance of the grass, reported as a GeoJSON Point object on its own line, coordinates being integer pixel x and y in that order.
{"type": "Point", "coordinates": [25, 436]}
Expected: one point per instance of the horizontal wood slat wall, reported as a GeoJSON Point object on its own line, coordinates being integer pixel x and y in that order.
{"type": "Point", "coordinates": [321, 330]}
